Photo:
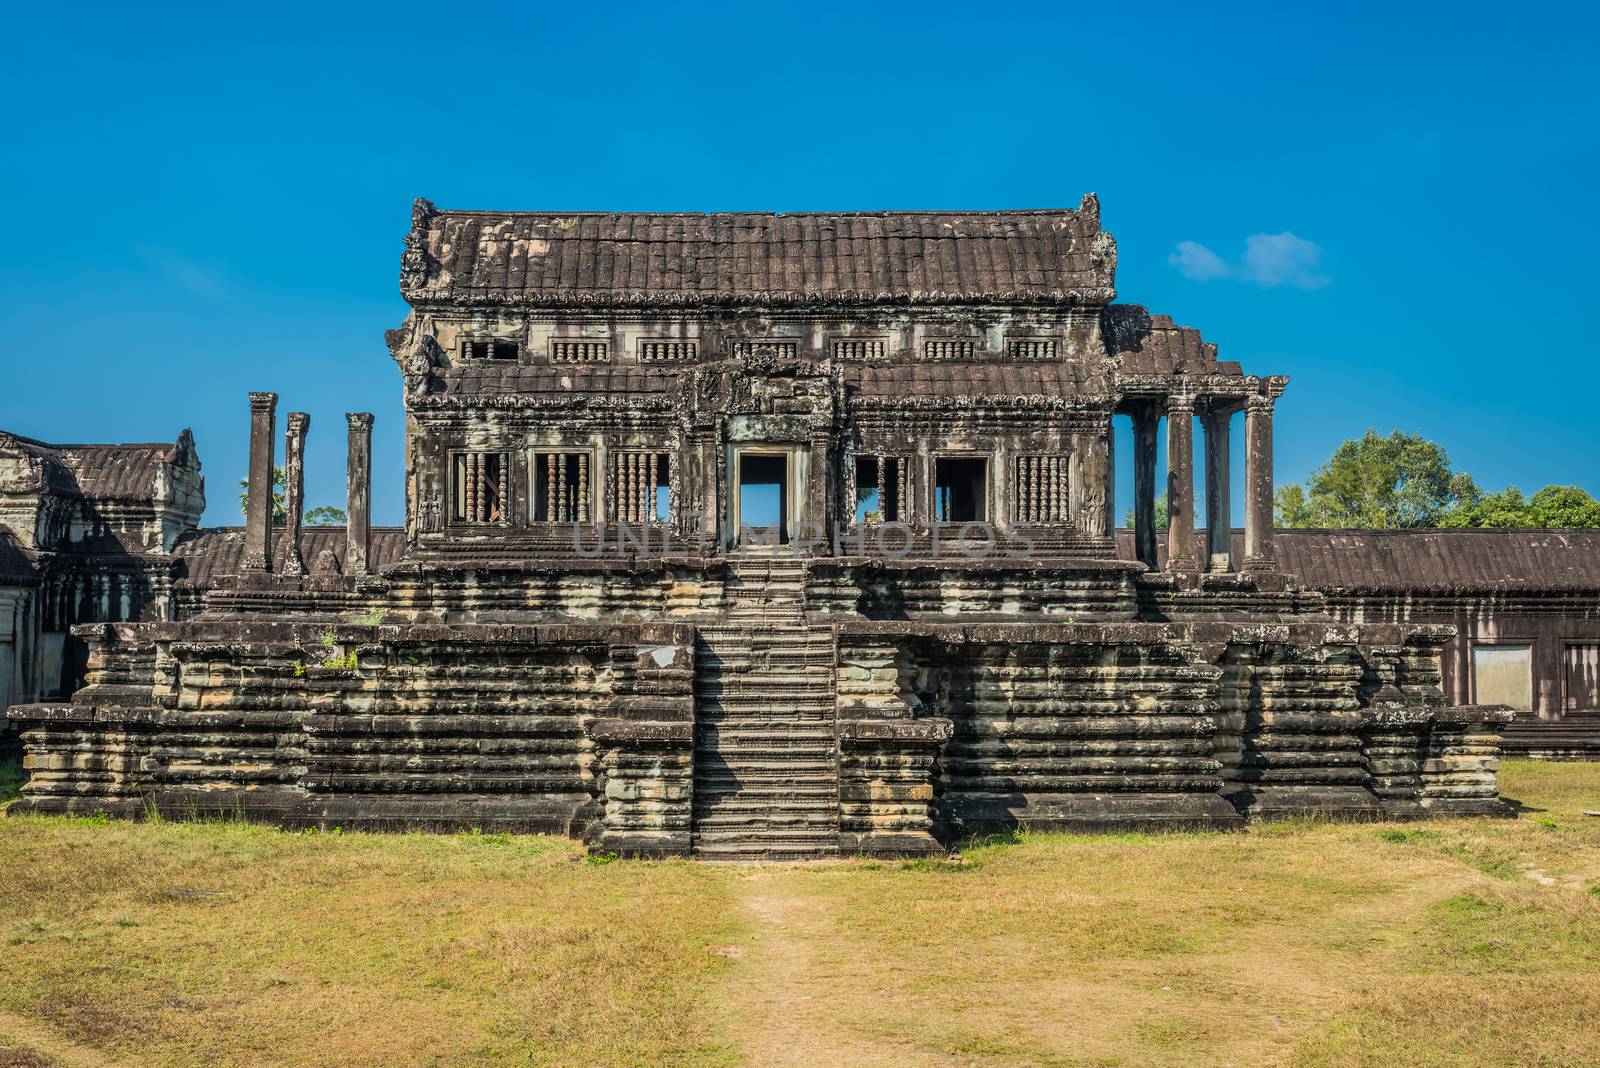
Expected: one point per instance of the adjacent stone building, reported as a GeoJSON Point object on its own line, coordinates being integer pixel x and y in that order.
{"type": "Point", "coordinates": [751, 535]}
{"type": "Point", "coordinates": [87, 534]}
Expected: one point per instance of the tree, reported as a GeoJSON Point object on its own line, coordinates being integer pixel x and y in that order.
{"type": "Point", "coordinates": [326, 515]}
{"type": "Point", "coordinates": [322, 516]}
{"type": "Point", "coordinates": [1403, 480]}
{"type": "Point", "coordinates": [1566, 506]}
{"type": "Point", "coordinates": [1130, 517]}
{"type": "Point", "coordinates": [1553, 506]}
{"type": "Point", "coordinates": [280, 514]}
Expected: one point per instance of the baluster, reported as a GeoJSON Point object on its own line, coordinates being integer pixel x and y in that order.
{"type": "Point", "coordinates": [505, 487]}
{"type": "Point", "coordinates": [583, 487]}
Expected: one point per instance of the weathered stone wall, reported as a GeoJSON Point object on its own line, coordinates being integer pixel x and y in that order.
{"type": "Point", "coordinates": [338, 724]}
{"type": "Point", "coordinates": [1067, 726]}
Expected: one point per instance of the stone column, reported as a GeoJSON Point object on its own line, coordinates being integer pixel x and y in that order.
{"type": "Point", "coordinates": [1219, 524]}
{"type": "Point", "coordinates": [1144, 484]}
{"type": "Point", "coordinates": [1258, 550]}
{"type": "Point", "coordinates": [294, 489]}
{"type": "Point", "coordinates": [258, 518]}
{"type": "Point", "coordinates": [1180, 484]}
{"type": "Point", "coordinates": [358, 504]}
{"type": "Point", "coordinates": [1110, 518]}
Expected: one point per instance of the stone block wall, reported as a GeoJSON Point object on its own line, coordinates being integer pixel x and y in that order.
{"type": "Point", "coordinates": [350, 725]}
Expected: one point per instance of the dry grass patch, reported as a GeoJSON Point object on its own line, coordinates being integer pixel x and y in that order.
{"type": "Point", "coordinates": [1455, 942]}
{"type": "Point", "coordinates": [1294, 943]}
{"type": "Point", "coordinates": [194, 944]}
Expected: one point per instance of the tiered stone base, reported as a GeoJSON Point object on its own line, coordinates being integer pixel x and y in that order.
{"type": "Point", "coordinates": [775, 728]}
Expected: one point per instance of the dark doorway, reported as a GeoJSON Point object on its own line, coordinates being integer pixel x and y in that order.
{"type": "Point", "coordinates": [959, 489]}
{"type": "Point", "coordinates": [763, 500]}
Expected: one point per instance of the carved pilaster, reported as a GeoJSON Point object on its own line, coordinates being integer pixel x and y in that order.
{"type": "Point", "coordinates": [294, 489]}
{"type": "Point", "coordinates": [258, 518]}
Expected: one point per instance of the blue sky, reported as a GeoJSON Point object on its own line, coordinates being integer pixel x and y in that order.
{"type": "Point", "coordinates": [1392, 204]}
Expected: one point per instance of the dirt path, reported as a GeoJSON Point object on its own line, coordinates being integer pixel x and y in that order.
{"type": "Point", "coordinates": [782, 997]}
{"type": "Point", "coordinates": [25, 1037]}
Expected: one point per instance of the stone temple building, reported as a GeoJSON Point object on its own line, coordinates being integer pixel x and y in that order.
{"type": "Point", "coordinates": [760, 536]}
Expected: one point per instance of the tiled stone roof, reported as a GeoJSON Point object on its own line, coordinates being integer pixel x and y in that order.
{"type": "Point", "coordinates": [205, 555]}
{"type": "Point", "coordinates": [1423, 561]}
{"type": "Point", "coordinates": [619, 380]}
{"type": "Point", "coordinates": [637, 258]}
{"type": "Point", "coordinates": [1145, 344]}
{"type": "Point", "coordinates": [102, 472]}
{"type": "Point", "coordinates": [962, 379]}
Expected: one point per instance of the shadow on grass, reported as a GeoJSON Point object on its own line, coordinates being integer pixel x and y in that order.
{"type": "Point", "coordinates": [1520, 809]}
{"type": "Point", "coordinates": [11, 777]}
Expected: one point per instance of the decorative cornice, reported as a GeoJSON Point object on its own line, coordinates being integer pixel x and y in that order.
{"type": "Point", "coordinates": [425, 299]}
{"type": "Point", "coordinates": [437, 401]}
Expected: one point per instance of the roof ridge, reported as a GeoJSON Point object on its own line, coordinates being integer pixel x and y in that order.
{"type": "Point", "coordinates": [876, 212]}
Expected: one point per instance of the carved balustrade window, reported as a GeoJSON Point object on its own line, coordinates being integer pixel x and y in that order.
{"type": "Point", "coordinates": [561, 487]}
{"type": "Point", "coordinates": [480, 487]}
{"type": "Point", "coordinates": [1041, 490]}
{"type": "Point", "coordinates": [642, 486]}
{"type": "Point", "coordinates": [489, 348]}
{"type": "Point", "coordinates": [860, 348]}
{"type": "Point", "coordinates": [883, 489]}
{"type": "Point", "coordinates": [666, 350]}
{"type": "Point", "coordinates": [578, 350]}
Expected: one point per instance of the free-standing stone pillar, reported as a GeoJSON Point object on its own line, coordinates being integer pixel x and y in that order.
{"type": "Point", "coordinates": [1180, 484]}
{"type": "Point", "coordinates": [1219, 532]}
{"type": "Point", "coordinates": [1144, 484]}
{"type": "Point", "coordinates": [358, 528]}
{"type": "Point", "coordinates": [258, 517]}
{"type": "Point", "coordinates": [1258, 550]}
{"type": "Point", "coordinates": [294, 489]}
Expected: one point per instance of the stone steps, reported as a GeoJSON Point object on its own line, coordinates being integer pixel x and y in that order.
{"type": "Point", "coordinates": [766, 776]}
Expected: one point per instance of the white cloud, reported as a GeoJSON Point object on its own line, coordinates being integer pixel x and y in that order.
{"type": "Point", "coordinates": [1196, 261]}
{"type": "Point", "coordinates": [1269, 260]}
{"type": "Point", "coordinates": [1284, 260]}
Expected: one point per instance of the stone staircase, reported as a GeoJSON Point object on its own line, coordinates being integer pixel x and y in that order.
{"type": "Point", "coordinates": [765, 776]}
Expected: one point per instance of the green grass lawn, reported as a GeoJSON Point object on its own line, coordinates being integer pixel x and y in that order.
{"type": "Point", "coordinates": [1451, 942]}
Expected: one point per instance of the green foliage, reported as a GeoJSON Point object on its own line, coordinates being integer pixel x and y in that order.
{"type": "Point", "coordinates": [326, 515]}
{"type": "Point", "coordinates": [280, 513]}
{"type": "Point", "coordinates": [342, 662]}
{"type": "Point", "coordinates": [337, 661]}
{"type": "Point", "coordinates": [1130, 517]}
{"type": "Point", "coordinates": [1553, 506]}
{"type": "Point", "coordinates": [1402, 480]}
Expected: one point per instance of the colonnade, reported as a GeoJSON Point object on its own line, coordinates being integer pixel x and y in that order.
{"type": "Point", "coordinates": [258, 531]}
{"type": "Point", "coordinates": [1215, 412]}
